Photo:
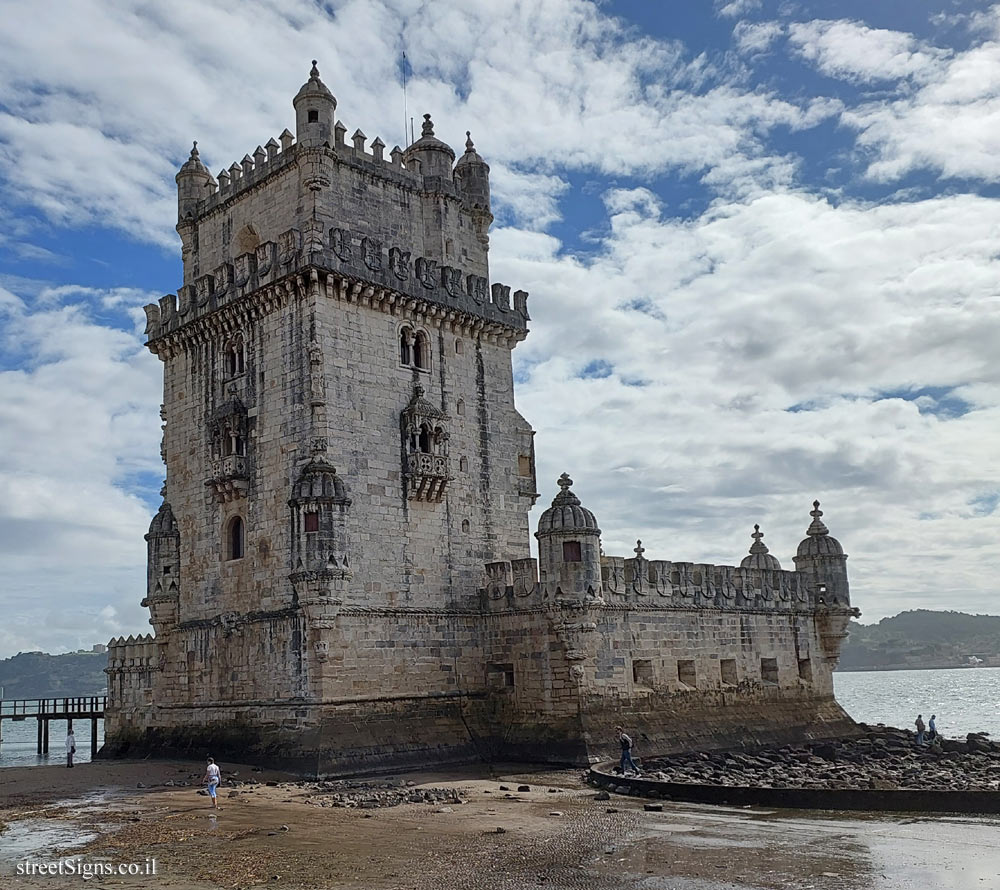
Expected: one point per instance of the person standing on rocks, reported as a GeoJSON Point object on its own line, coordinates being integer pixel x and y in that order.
{"type": "Point", "coordinates": [919, 723]}
{"type": "Point", "coordinates": [70, 747]}
{"type": "Point", "coordinates": [931, 728]}
{"type": "Point", "coordinates": [626, 743]}
{"type": "Point", "coordinates": [213, 776]}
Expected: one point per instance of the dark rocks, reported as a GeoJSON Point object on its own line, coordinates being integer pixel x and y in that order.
{"type": "Point", "coordinates": [523, 787]}
{"type": "Point", "coordinates": [602, 795]}
{"type": "Point", "coordinates": [653, 807]}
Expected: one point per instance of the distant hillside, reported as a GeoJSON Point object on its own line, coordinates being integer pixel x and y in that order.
{"type": "Point", "coordinates": [37, 675]}
{"type": "Point", "coordinates": [923, 639]}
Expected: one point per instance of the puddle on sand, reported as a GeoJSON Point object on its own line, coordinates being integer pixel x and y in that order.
{"type": "Point", "coordinates": [37, 838]}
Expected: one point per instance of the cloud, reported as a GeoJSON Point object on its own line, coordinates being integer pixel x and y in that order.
{"type": "Point", "coordinates": [78, 416]}
{"type": "Point", "coordinates": [757, 37]}
{"type": "Point", "coordinates": [853, 51]}
{"type": "Point", "coordinates": [735, 8]}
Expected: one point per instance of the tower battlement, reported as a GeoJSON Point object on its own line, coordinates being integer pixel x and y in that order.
{"type": "Point", "coordinates": [414, 224]}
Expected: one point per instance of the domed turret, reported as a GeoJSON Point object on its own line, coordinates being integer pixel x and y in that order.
{"type": "Point", "coordinates": [569, 547]}
{"type": "Point", "coordinates": [818, 541]}
{"type": "Point", "coordinates": [821, 557]}
{"type": "Point", "coordinates": [193, 180]}
{"type": "Point", "coordinates": [319, 481]}
{"type": "Point", "coordinates": [435, 157]}
{"type": "Point", "coordinates": [163, 551]}
{"type": "Point", "coordinates": [472, 176]}
{"type": "Point", "coordinates": [315, 111]}
{"type": "Point", "coordinates": [759, 557]}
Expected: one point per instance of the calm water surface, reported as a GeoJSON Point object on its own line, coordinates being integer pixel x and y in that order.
{"type": "Point", "coordinates": [20, 740]}
{"type": "Point", "coordinates": [964, 700]}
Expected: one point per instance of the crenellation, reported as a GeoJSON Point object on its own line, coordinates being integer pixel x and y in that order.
{"type": "Point", "coordinates": [343, 545]}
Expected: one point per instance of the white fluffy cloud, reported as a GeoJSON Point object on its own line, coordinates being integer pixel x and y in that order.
{"type": "Point", "coordinates": [711, 370]}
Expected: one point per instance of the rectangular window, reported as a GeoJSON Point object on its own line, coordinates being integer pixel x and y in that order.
{"type": "Point", "coordinates": [642, 672]}
{"type": "Point", "coordinates": [500, 676]}
{"type": "Point", "coordinates": [312, 522]}
{"type": "Point", "coordinates": [686, 673]}
{"type": "Point", "coordinates": [524, 465]}
{"type": "Point", "coordinates": [805, 670]}
{"type": "Point", "coordinates": [769, 671]}
{"type": "Point", "coordinates": [571, 551]}
{"type": "Point", "coordinates": [728, 666]}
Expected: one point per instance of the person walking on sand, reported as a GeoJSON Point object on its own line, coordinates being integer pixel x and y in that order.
{"type": "Point", "coordinates": [213, 776]}
{"type": "Point", "coordinates": [70, 747]}
{"type": "Point", "coordinates": [919, 723]}
{"type": "Point", "coordinates": [626, 743]}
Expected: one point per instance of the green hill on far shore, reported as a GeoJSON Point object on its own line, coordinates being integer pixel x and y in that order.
{"type": "Point", "coordinates": [923, 639]}
{"type": "Point", "coordinates": [38, 675]}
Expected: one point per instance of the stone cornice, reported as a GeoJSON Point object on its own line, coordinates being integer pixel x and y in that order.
{"type": "Point", "coordinates": [314, 279]}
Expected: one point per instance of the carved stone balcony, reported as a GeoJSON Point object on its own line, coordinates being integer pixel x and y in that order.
{"type": "Point", "coordinates": [230, 477]}
{"type": "Point", "coordinates": [427, 476]}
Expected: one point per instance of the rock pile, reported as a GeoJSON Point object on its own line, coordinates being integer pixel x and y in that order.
{"type": "Point", "coordinates": [883, 759]}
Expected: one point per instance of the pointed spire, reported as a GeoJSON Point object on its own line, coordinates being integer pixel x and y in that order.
{"type": "Point", "coordinates": [468, 141]}
{"type": "Point", "coordinates": [314, 71]}
{"type": "Point", "coordinates": [817, 527]}
{"type": "Point", "coordinates": [272, 148]}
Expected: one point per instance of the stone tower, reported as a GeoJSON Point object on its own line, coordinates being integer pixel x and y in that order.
{"type": "Point", "coordinates": [339, 575]}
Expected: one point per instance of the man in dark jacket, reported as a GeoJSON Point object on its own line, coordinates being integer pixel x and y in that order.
{"type": "Point", "coordinates": [626, 743]}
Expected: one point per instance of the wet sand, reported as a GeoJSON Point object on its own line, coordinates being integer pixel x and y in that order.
{"type": "Point", "coordinates": [554, 836]}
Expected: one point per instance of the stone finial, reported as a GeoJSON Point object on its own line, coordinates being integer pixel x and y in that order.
{"type": "Point", "coordinates": [758, 546]}
{"type": "Point", "coordinates": [639, 550]}
{"type": "Point", "coordinates": [286, 138]}
{"type": "Point", "coordinates": [759, 558]}
{"type": "Point", "coordinates": [817, 527]}
{"type": "Point", "coordinates": [194, 150]}
{"type": "Point", "coordinates": [272, 148]}
{"type": "Point", "coordinates": [468, 141]}
{"type": "Point", "coordinates": [314, 71]}
{"type": "Point", "coordinates": [359, 140]}
{"type": "Point", "coordinates": [564, 482]}
{"type": "Point", "coordinates": [427, 128]}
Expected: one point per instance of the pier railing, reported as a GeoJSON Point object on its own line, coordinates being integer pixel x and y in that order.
{"type": "Point", "coordinates": [44, 710]}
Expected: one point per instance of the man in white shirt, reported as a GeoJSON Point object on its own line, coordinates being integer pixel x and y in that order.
{"type": "Point", "coordinates": [70, 747]}
{"type": "Point", "coordinates": [213, 775]}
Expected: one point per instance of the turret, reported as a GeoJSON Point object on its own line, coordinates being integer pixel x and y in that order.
{"type": "Point", "coordinates": [434, 156]}
{"type": "Point", "coordinates": [472, 177]}
{"type": "Point", "coordinates": [163, 545]}
{"type": "Point", "coordinates": [193, 182]}
{"type": "Point", "coordinates": [569, 547]}
{"type": "Point", "coordinates": [315, 111]}
{"type": "Point", "coordinates": [759, 557]}
{"type": "Point", "coordinates": [823, 560]}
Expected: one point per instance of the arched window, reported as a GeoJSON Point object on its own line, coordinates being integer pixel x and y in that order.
{"type": "Point", "coordinates": [424, 439]}
{"type": "Point", "coordinates": [421, 351]}
{"type": "Point", "coordinates": [460, 407]}
{"type": "Point", "coordinates": [235, 358]}
{"type": "Point", "coordinates": [465, 525]}
{"type": "Point", "coordinates": [235, 542]}
{"type": "Point", "coordinates": [405, 336]}
{"type": "Point", "coordinates": [313, 116]}
{"type": "Point", "coordinates": [463, 464]}
{"type": "Point", "coordinates": [459, 348]}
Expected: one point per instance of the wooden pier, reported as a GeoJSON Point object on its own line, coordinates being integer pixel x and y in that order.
{"type": "Point", "coordinates": [44, 710]}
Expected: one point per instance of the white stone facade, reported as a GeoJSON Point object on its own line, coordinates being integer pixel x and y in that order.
{"type": "Point", "coordinates": [340, 578]}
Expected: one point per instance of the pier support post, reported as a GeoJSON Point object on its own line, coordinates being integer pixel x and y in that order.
{"type": "Point", "coordinates": [93, 737]}
{"type": "Point", "coordinates": [39, 721]}
{"type": "Point", "coordinates": [45, 737]}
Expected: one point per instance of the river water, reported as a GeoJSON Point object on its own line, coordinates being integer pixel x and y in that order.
{"type": "Point", "coordinates": [20, 742]}
{"type": "Point", "coordinates": [964, 701]}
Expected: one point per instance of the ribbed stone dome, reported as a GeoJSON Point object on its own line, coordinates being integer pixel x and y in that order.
{"type": "Point", "coordinates": [566, 513]}
{"type": "Point", "coordinates": [163, 522]}
{"type": "Point", "coordinates": [314, 87]}
{"type": "Point", "coordinates": [429, 142]}
{"type": "Point", "coordinates": [471, 156]}
{"type": "Point", "coordinates": [819, 542]}
{"type": "Point", "coordinates": [194, 165]}
{"type": "Point", "coordinates": [759, 558]}
{"type": "Point", "coordinates": [319, 479]}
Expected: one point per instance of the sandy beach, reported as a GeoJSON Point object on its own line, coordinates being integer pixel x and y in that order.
{"type": "Point", "coordinates": [475, 829]}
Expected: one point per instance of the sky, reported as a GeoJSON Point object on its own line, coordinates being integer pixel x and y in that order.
{"type": "Point", "coordinates": [762, 242]}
